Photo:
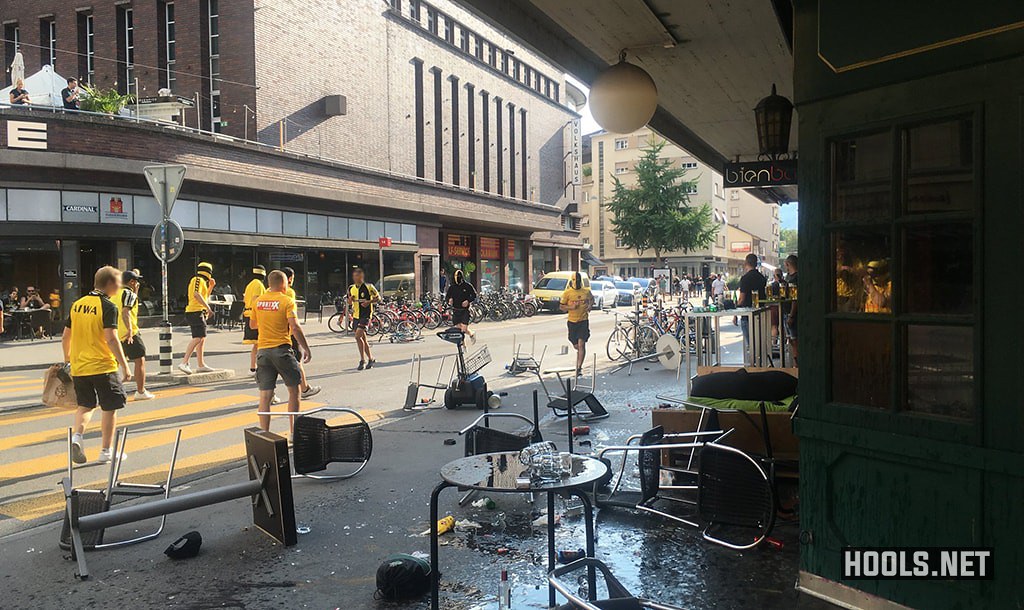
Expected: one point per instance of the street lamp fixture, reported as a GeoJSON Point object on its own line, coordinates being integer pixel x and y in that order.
{"type": "Point", "coordinates": [774, 116]}
{"type": "Point", "coordinates": [623, 97]}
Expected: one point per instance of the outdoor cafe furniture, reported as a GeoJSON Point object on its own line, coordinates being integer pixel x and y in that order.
{"type": "Point", "coordinates": [26, 321]}
{"type": "Point", "coordinates": [619, 598]}
{"type": "Point", "coordinates": [506, 473]}
{"type": "Point", "coordinates": [707, 351]}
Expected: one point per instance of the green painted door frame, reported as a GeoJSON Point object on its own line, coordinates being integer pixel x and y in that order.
{"type": "Point", "coordinates": [879, 469]}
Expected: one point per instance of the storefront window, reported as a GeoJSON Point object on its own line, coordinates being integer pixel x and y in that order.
{"type": "Point", "coordinates": [515, 268]}
{"type": "Point", "coordinates": [490, 263]}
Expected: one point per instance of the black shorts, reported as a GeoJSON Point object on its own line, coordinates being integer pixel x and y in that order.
{"type": "Point", "coordinates": [460, 316]}
{"type": "Point", "coordinates": [274, 361]}
{"type": "Point", "coordinates": [579, 331]}
{"type": "Point", "coordinates": [361, 322]}
{"type": "Point", "coordinates": [249, 335]}
{"type": "Point", "coordinates": [134, 350]}
{"type": "Point", "coordinates": [197, 323]}
{"type": "Point", "coordinates": [104, 389]}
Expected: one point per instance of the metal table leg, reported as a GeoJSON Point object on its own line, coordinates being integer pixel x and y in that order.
{"type": "Point", "coordinates": [435, 576]}
{"type": "Point", "coordinates": [588, 515]}
{"type": "Point", "coordinates": [551, 545]}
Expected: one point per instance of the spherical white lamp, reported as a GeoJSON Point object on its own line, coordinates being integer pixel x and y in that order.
{"type": "Point", "coordinates": [623, 97]}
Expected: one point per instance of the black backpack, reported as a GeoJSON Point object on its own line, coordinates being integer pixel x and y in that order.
{"type": "Point", "coordinates": [403, 577]}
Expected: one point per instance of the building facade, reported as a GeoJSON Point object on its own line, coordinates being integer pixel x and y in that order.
{"type": "Point", "coordinates": [315, 129]}
{"type": "Point", "coordinates": [747, 224]}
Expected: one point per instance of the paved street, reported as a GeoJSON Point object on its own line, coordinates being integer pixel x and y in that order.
{"type": "Point", "coordinates": [354, 524]}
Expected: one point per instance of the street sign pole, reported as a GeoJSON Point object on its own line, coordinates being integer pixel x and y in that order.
{"type": "Point", "coordinates": [165, 183]}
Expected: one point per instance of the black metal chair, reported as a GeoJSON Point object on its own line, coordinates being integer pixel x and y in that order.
{"type": "Point", "coordinates": [235, 314]}
{"type": "Point", "coordinates": [482, 438]}
{"type": "Point", "coordinates": [619, 598]}
{"type": "Point", "coordinates": [316, 445]}
{"type": "Point", "coordinates": [314, 304]}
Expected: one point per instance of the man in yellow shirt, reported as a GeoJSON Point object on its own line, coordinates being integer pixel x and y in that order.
{"type": "Point", "coordinates": [362, 296]}
{"type": "Point", "coordinates": [253, 291]}
{"type": "Point", "coordinates": [91, 348]}
{"type": "Point", "coordinates": [307, 390]}
{"type": "Point", "coordinates": [128, 330]}
{"type": "Point", "coordinates": [274, 315]}
{"type": "Point", "coordinates": [196, 312]}
{"type": "Point", "coordinates": [576, 300]}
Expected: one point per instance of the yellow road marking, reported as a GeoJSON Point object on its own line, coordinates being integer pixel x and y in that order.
{"type": "Point", "coordinates": [191, 408]}
{"type": "Point", "coordinates": [53, 502]}
{"type": "Point", "coordinates": [168, 393]}
{"type": "Point", "coordinates": [23, 381]}
{"type": "Point", "coordinates": [24, 388]}
{"type": "Point", "coordinates": [6, 377]}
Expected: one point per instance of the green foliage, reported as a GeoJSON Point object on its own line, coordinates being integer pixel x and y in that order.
{"type": "Point", "coordinates": [655, 214]}
{"type": "Point", "coordinates": [787, 241]}
{"type": "Point", "coordinates": [108, 101]}
{"type": "Point", "coordinates": [733, 283]}
{"type": "Point", "coordinates": [588, 170]}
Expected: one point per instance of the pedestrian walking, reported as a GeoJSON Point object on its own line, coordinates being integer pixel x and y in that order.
{"type": "Point", "coordinates": [718, 289]}
{"type": "Point", "coordinates": [362, 297]}
{"type": "Point", "coordinates": [253, 290]}
{"type": "Point", "coordinates": [751, 282]}
{"type": "Point", "coordinates": [306, 390]}
{"type": "Point", "coordinates": [461, 294]}
{"type": "Point", "coordinates": [128, 330]}
{"type": "Point", "coordinates": [91, 348]}
{"type": "Point", "coordinates": [196, 312]}
{"type": "Point", "coordinates": [684, 288]}
{"type": "Point", "coordinates": [443, 282]}
{"type": "Point", "coordinates": [275, 316]}
{"type": "Point", "coordinates": [577, 301]}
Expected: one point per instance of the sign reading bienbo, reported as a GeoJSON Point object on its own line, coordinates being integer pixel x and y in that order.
{"type": "Point", "coordinates": [761, 174]}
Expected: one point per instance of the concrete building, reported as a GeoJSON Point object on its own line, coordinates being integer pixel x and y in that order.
{"type": "Point", "coordinates": [319, 127]}
{"type": "Point", "coordinates": [747, 224]}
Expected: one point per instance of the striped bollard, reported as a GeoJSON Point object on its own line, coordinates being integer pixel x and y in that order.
{"type": "Point", "coordinates": [166, 358]}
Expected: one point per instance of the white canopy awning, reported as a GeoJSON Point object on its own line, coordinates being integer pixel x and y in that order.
{"type": "Point", "coordinates": [43, 88]}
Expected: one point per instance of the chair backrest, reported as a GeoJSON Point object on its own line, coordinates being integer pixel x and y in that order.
{"type": "Point", "coordinates": [237, 308]}
{"type": "Point", "coordinates": [316, 444]}
{"type": "Point", "coordinates": [314, 303]}
{"type": "Point", "coordinates": [228, 298]}
{"type": "Point", "coordinates": [733, 489]}
{"type": "Point", "coordinates": [650, 463]}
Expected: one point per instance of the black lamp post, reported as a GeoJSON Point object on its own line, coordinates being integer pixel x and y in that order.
{"type": "Point", "coordinates": [774, 116]}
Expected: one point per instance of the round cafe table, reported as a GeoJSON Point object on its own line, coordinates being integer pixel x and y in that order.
{"type": "Point", "coordinates": [505, 473]}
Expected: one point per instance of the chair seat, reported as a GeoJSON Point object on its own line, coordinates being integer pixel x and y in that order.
{"type": "Point", "coordinates": [316, 445]}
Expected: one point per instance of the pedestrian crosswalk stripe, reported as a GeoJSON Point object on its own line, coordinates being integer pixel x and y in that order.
{"type": "Point", "coordinates": [51, 503]}
{"type": "Point", "coordinates": [136, 443]}
{"type": "Point", "coordinates": [11, 420]}
{"type": "Point", "coordinates": [22, 387]}
{"type": "Point", "coordinates": [9, 377]}
{"type": "Point", "coordinates": [23, 381]}
{"type": "Point", "coordinates": [202, 407]}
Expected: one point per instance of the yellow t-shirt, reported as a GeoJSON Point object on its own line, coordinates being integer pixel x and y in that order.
{"type": "Point", "coordinates": [201, 285]}
{"type": "Point", "coordinates": [128, 299]}
{"type": "Point", "coordinates": [272, 311]}
{"type": "Point", "coordinates": [90, 354]}
{"type": "Point", "coordinates": [578, 300]}
{"type": "Point", "coordinates": [365, 292]}
{"type": "Point", "coordinates": [290, 292]}
{"type": "Point", "coordinates": [253, 291]}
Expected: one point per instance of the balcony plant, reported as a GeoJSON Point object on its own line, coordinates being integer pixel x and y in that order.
{"type": "Point", "coordinates": [107, 101]}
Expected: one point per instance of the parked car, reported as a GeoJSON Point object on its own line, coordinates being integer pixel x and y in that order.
{"type": "Point", "coordinates": [646, 284]}
{"type": "Point", "coordinates": [628, 291]}
{"type": "Point", "coordinates": [548, 290]}
{"type": "Point", "coordinates": [398, 285]}
{"type": "Point", "coordinates": [605, 294]}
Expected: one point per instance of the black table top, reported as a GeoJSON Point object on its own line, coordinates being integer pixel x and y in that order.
{"type": "Point", "coordinates": [497, 472]}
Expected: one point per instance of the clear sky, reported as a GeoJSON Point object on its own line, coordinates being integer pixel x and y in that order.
{"type": "Point", "coordinates": [787, 215]}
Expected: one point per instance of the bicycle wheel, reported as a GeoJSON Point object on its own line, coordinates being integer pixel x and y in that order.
{"type": "Point", "coordinates": [336, 323]}
{"type": "Point", "coordinates": [373, 327]}
{"type": "Point", "coordinates": [647, 341]}
{"type": "Point", "coordinates": [619, 344]}
{"type": "Point", "coordinates": [406, 331]}
{"type": "Point", "coordinates": [432, 319]}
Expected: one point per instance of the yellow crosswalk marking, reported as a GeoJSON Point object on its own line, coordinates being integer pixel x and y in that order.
{"type": "Point", "coordinates": [36, 416]}
{"type": "Point", "coordinates": [23, 389]}
{"type": "Point", "coordinates": [22, 381]}
{"type": "Point", "coordinates": [132, 419]}
{"type": "Point", "coordinates": [9, 377]}
{"type": "Point", "coordinates": [51, 503]}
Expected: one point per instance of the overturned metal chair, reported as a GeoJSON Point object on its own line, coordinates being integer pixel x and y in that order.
{"type": "Point", "coordinates": [725, 492]}
{"type": "Point", "coordinates": [95, 501]}
{"type": "Point", "coordinates": [316, 445]}
{"type": "Point", "coordinates": [619, 598]}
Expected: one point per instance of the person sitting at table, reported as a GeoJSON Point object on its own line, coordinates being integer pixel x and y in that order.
{"type": "Point", "coordinates": [19, 96]}
{"type": "Point", "coordinates": [33, 300]}
{"type": "Point", "coordinates": [12, 300]}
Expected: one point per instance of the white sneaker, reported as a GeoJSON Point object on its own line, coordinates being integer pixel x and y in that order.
{"type": "Point", "coordinates": [205, 369]}
{"type": "Point", "coordinates": [106, 455]}
{"type": "Point", "coordinates": [77, 452]}
{"type": "Point", "coordinates": [312, 390]}
{"type": "Point", "coordinates": [184, 368]}
{"type": "Point", "coordinates": [252, 374]}
{"type": "Point", "coordinates": [472, 339]}
{"type": "Point", "coordinates": [144, 395]}
{"type": "Point", "coordinates": [274, 400]}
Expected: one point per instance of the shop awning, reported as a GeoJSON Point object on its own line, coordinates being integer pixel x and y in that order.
{"type": "Point", "coordinates": [591, 260]}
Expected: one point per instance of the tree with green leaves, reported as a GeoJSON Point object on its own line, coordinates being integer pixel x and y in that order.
{"type": "Point", "coordinates": [655, 214]}
{"type": "Point", "coordinates": [787, 242]}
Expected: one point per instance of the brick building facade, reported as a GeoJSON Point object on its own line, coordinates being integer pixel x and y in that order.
{"type": "Point", "coordinates": [422, 92]}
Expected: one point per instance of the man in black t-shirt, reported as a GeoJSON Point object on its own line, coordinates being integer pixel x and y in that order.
{"type": "Point", "coordinates": [460, 296]}
{"type": "Point", "coordinates": [69, 95]}
{"type": "Point", "coordinates": [751, 282]}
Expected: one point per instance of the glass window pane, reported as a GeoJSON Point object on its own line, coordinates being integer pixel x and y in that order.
{"type": "Point", "coordinates": [267, 221]}
{"type": "Point", "coordinates": [862, 363]}
{"type": "Point", "coordinates": [294, 223]}
{"type": "Point", "coordinates": [186, 213]}
{"type": "Point", "coordinates": [939, 269]}
{"type": "Point", "coordinates": [316, 225]}
{"type": "Point", "coordinates": [940, 167]}
{"type": "Point", "coordinates": [243, 219]}
{"type": "Point", "coordinates": [409, 234]}
{"type": "Point", "coordinates": [213, 216]}
{"type": "Point", "coordinates": [393, 230]}
{"type": "Point", "coordinates": [374, 229]}
{"type": "Point", "coordinates": [337, 227]}
{"type": "Point", "coordinates": [940, 370]}
{"type": "Point", "coordinates": [357, 229]}
{"type": "Point", "coordinates": [862, 177]}
{"type": "Point", "coordinates": [861, 268]}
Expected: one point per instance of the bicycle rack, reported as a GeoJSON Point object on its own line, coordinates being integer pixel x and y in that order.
{"type": "Point", "coordinates": [413, 400]}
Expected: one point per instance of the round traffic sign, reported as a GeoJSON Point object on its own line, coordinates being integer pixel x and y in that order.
{"type": "Point", "coordinates": [168, 232]}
